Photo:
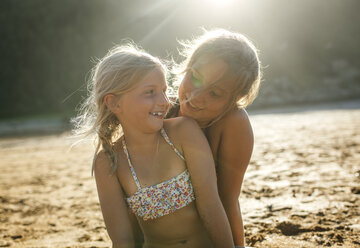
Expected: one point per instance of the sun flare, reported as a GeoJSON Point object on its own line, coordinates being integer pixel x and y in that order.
{"type": "Point", "coordinates": [222, 2]}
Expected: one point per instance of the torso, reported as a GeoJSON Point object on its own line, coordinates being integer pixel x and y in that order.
{"type": "Point", "coordinates": [231, 143]}
{"type": "Point", "coordinates": [181, 228]}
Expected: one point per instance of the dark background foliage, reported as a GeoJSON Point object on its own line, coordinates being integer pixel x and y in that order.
{"type": "Point", "coordinates": [309, 49]}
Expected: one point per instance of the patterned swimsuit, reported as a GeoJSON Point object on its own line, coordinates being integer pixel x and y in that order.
{"type": "Point", "coordinates": [163, 198]}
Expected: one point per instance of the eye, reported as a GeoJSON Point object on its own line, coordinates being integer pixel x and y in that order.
{"type": "Point", "coordinates": [214, 94]}
{"type": "Point", "coordinates": [150, 92]}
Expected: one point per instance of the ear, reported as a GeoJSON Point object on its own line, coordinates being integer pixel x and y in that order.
{"type": "Point", "coordinates": [112, 103]}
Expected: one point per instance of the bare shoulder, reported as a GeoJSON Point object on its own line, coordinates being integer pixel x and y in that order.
{"type": "Point", "coordinates": [179, 126]}
{"type": "Point", "coordinates": [101, 163]}
{"type": "Point", "coordinates": [180, 122]}
{"type": "Point", "coordinates": [237, 119]}
{"type": "Point", "coordinates": [182, 130]}
{"type": "Point", "coordinates": [234, 124]}
{"type": "Point", "coordinates": [232, 137]}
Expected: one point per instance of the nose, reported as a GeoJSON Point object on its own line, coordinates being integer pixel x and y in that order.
{"type": "Point", "coordinates": [197, 97]}
{"type": "Point", "coordinates": [163, 100]}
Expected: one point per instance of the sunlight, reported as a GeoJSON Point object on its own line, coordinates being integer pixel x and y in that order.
{"type": "Point", "coordinates": [222, 2]}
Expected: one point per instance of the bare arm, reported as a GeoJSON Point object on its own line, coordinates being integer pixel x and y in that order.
{"type": "Point", "coordinates": [137, 232]}
{"type": "Point", "coordinates": [234, 155]}
{"type": "Point", "coordinates": [201, 166]}
{"type": "Point", "coordinates": [113, 204]}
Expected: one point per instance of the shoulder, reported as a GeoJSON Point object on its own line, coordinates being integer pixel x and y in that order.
{"type": "Point", "coordinates": [183, 130]}
{"type": "Point", "coordinates": [101, 163]}
{"type": "Point", "coordinates": [232, 136]}
{"type": "Point", "coordinates": [235, 123]}
{"type": "Point", "coordinates": [180, 124]}
{"type": "Point", "coordinates": [237, 139]}
{"type": "Point", "coordinates": [236, 118]}
{"type": "Point", "coordinates": [105, 177]}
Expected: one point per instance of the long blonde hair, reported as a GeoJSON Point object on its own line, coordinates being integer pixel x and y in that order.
{"type": "Point", "coordinates": [238, 52]}
{"type": "Point", "coordinates": [116, 73]}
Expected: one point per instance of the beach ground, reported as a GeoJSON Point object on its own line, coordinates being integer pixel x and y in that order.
{"type": "Point", "coordinates": [302, 187]}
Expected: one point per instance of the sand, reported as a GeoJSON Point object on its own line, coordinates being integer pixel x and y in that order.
{"type": "Point", "coordinates": [302, 187]}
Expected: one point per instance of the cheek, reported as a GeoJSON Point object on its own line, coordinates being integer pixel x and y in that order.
{"type": "Point", "coordinates": [185, 86]}
{"type": "Point", "coordinates": [145, 103]}
{"type": "Point", "coordinates": [217, 106]}
{"type": "Point", "coordinates": [141, 104]}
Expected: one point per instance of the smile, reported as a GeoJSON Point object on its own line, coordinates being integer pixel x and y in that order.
{"type": "Point", "coordinates": [157, 114]}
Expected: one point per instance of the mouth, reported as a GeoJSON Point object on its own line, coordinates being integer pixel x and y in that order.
{"type": "Point", "coordinates": [158, 114]}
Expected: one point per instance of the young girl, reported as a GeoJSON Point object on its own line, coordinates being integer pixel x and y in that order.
{"type": "Point", "coordinates": [161, 170]}
{"type": "Point", "coordinates": [221, 77]}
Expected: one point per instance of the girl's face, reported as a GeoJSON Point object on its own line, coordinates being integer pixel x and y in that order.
{"type": "Point", "coordinates": [205, 91]}
{"type": "Point", "coordinates": [145, 106]}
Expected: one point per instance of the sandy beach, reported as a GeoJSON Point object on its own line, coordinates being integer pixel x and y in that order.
{"type": "Point", "coordinates": [302, 187]}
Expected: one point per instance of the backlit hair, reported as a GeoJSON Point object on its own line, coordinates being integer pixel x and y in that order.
{"type": "Point", "coordinates": [116, 73]}
{"type": "Point", "coordinates": [238, 52]}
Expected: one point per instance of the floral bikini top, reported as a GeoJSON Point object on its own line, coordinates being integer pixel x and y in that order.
{"type": "Point", "coordinates": [163, 198]}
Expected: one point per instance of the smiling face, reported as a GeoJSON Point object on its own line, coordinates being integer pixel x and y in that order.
{"type": "Point", "coordinates": [205, 91]}
{"type": "Point", "coordinates": [144, 107]}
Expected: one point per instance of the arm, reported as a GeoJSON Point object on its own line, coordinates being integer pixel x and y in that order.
{"type": "Point", "coordinates": [201, 166]}
{"type": "Point", "coordinates": [234, 155]}
{"type": "Point", "coordinates": [112, 204]}
{"type": "Point", "coordinates": [137, 232]}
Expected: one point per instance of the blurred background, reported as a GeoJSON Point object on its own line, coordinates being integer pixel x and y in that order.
{"type": "Point", "coordinates": [301, 188]}
{"type": "Point", "coordinates": [309, 49]}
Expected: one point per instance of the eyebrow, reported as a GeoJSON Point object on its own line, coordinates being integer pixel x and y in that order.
{"type": "Point", "coordinates": [154, 85]}
{"type": "Point", "coordinates": [217, 87]}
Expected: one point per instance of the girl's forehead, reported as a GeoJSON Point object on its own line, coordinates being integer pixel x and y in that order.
{"type": "Point", "coordinates": [214, 73]}
{"type": "Point", "coordinates": [210, 69]}
{"type": "Point", "coordinates": [155, 77]}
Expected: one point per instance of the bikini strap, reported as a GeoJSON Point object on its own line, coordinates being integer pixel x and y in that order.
{"type": "Point", "coordinates": [130, 164]}
{"type": "Point", "coordinates": [166, 137]}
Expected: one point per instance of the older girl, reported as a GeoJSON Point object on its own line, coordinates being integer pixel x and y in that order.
{"type": "Point", "coordinates": [221, 76]}
{"type": "Point", "coordinates": [161, 170]}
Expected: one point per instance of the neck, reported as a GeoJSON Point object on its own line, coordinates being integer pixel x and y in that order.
{"type": "Point", "coordinates": [141, 143]}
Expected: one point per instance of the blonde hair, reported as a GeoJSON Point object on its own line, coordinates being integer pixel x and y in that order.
{"type": "Point", "coordinates": [117, 73]}
{"type": "Point", "coordinates": [238, 52]}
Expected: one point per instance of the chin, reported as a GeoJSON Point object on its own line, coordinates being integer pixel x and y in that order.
{"type": "Point", "coordinates": [155, 127]}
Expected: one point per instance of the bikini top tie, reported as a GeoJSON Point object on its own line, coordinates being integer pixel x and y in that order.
{"type": "Point", "coordinates": [163, 198]}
